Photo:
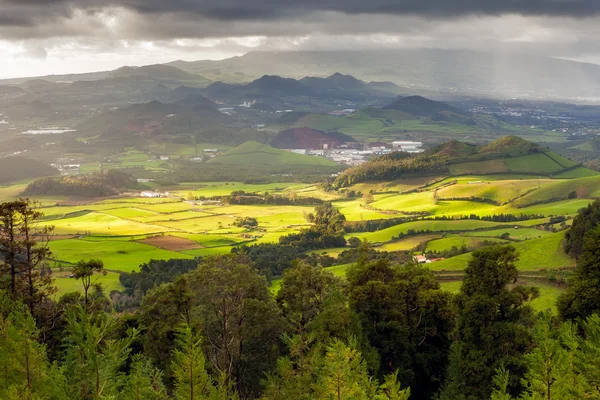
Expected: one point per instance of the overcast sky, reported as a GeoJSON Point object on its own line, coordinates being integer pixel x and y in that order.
{"type": "Point", "coordinates": [40, 37]}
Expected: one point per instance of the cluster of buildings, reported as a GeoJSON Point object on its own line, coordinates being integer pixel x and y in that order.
{"type": "Point", "coordinates": [354, 154]}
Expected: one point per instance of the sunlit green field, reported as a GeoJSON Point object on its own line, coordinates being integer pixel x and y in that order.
{"type": "Point", "coordinates": [118, 230]}
{"type": "Point", "coordinates": [109, 282]}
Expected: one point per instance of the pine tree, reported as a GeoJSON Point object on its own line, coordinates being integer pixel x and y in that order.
{"type": "Point", "coordinates": [25, 372]}
{"type": "Point", "coordinates": [144, 382]}
{"type": "Point", "coordinates": [93, 358]}
{"type": "Point", "coordinates": [549, 373]}
{"type": "Point", "coordinates": [192, 382]}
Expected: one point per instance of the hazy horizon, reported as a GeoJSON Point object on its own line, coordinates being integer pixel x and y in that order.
{"type": "Point", "coordinates": [74, 36]}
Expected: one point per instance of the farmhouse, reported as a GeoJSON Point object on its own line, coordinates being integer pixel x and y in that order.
{"type": "Point", "coordinates": [151, 194]}
{"type": "Point", "coordinates": [420, 259]}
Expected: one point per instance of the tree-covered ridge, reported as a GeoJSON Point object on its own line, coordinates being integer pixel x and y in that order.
{"type": "Point", "coordinates": [440, 160]}
{"type": "Point", "coordinates": [107, 183]}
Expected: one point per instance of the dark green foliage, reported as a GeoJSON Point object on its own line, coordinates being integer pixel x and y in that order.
{"type": "Point", "coordinates": [24, 251]}
{"type": "Point", "coordinates": [19, 168]}
{"type": "Point", "coordinates": [328, 220]}
{"type": "Point", "coordinates": [241, 197]}
{"type": "Point", "coordinates": [154, 273]}
{"type": "Point", "coordinates": [406, 318]}
{"type": "Point", "coordinates": [492, 327]}
{"type": "Point", "coordinates": [231, 304]}
{"type": "Point", "coordinates": [582, 297]}
{"type": "Point", "coordinates": [108, 183]}
{"type": "Point", "coordinates": [585, 221]}
{"type": "Point", "coordinates": [390, 168]}
{"type": "Point", "coordinates": [270, 259]}
{"type": "Point", "coordinates": [245, 222]}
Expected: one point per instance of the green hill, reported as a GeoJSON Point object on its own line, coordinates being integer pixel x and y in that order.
{"type": "Point", "coordinates": [509, 155]}
{"type": "Point", "coordinates": [19, 168]}
{"type": "Point", "coordinates": [254, 153]}
{"type": "Point", "coordinates": [423, 107]}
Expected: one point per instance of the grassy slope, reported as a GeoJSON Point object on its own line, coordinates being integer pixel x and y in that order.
{"type": "Point", "coordinates": [254, 153]}
{"type": "Point", "coordinates": [535, 254]}
{"type": "Point", "coordinates": [534, 163]}
{"type": "Point", "coordinates": [117, 255]}
{"type": "Point", "coordinates": [498, 191]}
{"type": "Point", "coordinates": [583, 187]}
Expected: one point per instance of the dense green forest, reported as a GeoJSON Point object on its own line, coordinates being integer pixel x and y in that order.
{"type": "Point", "coordinates": [211, 328]}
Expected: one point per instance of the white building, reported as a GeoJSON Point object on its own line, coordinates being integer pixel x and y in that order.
{"type": "Point", "coordinates": [408, 146]}
{"type": "Point", "coordinates": [151, 194]}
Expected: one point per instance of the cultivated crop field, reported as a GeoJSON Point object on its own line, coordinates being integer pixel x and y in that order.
{"type": "Point", "coordinates": [443, 217]}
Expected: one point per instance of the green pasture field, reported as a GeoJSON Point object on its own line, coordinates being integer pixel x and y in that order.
{"type": "Point", "coordinates": [96, 223]}
{"type": "Point", "coordinates": [188, 149]}
{"type": "Point", "coordinates": [580, 172]}
{"type": "Point", "coordinates": [355, 211]}
{"type": "Point", "coordinates": [561, 190]}
{"type": "Point", "coordinates": [210, 240]}
{"type": "Point", "coordinates": [109, 282]}
{"type": "Point", "coordinates": [537, 163]}
{"type": "Point", "coordinates": [125, 256]}
{"type": "Point", "coordinates": [385, 235]}
{"type": "Point", "coordinates": [408, 243]}
{"type": "Point", "coordinates": [498, 191]}
{"type": "Point", "coordinates": [564, 162]}
{"type": "Point", "coordinates": [175, 216]}
{"type": "Point", "coordinates": [534, 254]}
{"type": "Point", "coordinates": [166, 207]}
{"type": "Point", "coordinates": [565, 207]}
{"type": "Point", "coordinates": [484, 167]}
{"type": "Point", "coordinates": [210, 189]}
{"type": "Point", "coordinates": [210, 251]}
{"type": "Point", "coordinates": [400, 186]}
{"type": "Point", "coordinates": [516, 234]}
{"type": "Point", "coordinates": [546, 300]}
{"type": "Point", "coordinates": [457, 241]}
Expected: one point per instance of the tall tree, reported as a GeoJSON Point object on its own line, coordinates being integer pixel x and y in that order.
{"type": "Point", "coordinates": [84, 271]}
{"type": "Point", "coordinates": [582, 297]}
{"type": "Point", "coordinates": [314, 305]}
{"type": "Point", "coordinates": [407, 318]}
{"type": "Point", "coordinates": [25, 373]}
{"type": "Point", "coordinates": [240, 320]}
{"type": "Point", "coordinates": [492, 327]}
{"type": "Point", "coordinates": [192, 382]}
{"type": "Point", "coordinates": [24, 249]}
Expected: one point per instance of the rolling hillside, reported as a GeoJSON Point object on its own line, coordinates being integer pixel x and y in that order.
{"type": "Point", "coordinates": [306, 138]}
{"type": "Point", "coordinates": [422, 107]}
{"type": "Point", "coordinates": [509, 155]}
{"type": "Point", "coordinates": [18, 168]}
{"type": "Point", "coordinates": [158, 72]}
{"type": "Point", "coordinates": [254, 153]}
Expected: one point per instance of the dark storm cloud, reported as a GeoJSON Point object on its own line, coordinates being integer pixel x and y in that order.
{"type": "Point", "coordinates": [27, 12]}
